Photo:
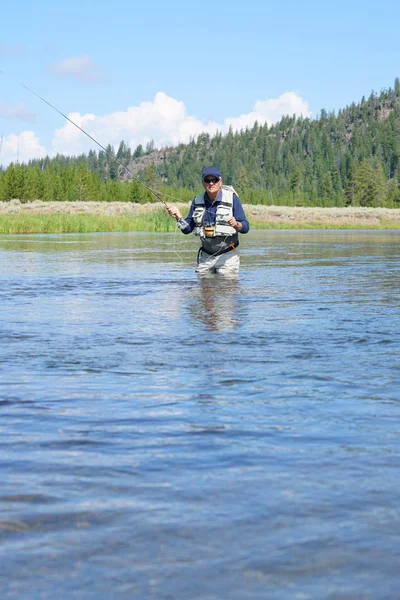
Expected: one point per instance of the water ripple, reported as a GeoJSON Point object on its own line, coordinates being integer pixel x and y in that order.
{"type": "Point", "coordinates": [169, 438]}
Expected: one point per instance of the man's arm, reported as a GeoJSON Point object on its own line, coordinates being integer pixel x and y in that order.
{"type": "Point", "coordinates": [238, 221]}
{"type": "Point", "coordinates": [189, 220]}
{"type": "Point", "coordinates": [185, 225]}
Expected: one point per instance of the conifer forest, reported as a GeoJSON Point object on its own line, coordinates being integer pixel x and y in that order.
{"type": "Point", "coordinates": [348, 158]}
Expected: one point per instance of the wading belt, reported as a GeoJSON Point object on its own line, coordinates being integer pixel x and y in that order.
{"type": "Point", "coordinates": [231, 248]}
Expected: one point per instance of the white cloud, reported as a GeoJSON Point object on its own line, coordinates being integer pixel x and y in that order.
{"type": "Point", "coordinates": [22, 147]}
{"type": "Point", "coordinates": [81, 68]}
{"type": "Point", "coordinates": [164, 120]}
{"type": "Point", "coordinates": [271, 110]}
{"type": "Point", "coordinates": [16, 111]}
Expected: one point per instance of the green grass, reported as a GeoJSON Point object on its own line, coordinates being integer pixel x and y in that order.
{"type": "Point", "coordinates": [157, 221]}
{"type": "Point", "coordinates": [61, 223]}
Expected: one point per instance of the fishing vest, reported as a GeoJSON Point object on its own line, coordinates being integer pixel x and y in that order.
{"type": "Point", "coordinates": [223, 213]}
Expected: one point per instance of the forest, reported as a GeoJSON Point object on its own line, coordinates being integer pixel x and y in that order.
{"type": "Point", "coordinates": [346, 159]}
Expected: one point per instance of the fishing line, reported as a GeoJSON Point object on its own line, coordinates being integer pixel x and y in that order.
{"type": "Point", "coordinates": [155, 193]}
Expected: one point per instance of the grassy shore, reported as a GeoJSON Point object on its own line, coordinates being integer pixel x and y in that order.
{"type": "Point", "coordinates": [88, 217]}
{"type": "Point", "coordinates": [62, 223]}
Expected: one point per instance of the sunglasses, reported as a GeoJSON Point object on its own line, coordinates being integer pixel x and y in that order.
{"type": "Point", "coordinates": [211, 180]}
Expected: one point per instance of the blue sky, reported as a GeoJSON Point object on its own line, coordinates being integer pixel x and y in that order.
{"type": "Point", "coordinates": [168, 70]}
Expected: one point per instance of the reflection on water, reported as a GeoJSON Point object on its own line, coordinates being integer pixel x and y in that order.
{"type": "Point", "coordinates": [214, 302]}
{"type": "Point", "coordinates": [168, 437]}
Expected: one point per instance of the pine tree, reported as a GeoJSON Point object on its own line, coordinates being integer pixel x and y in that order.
{"type": "Point", "coordinates": [138, 152]}
{"type": "Point", "coordinates": [394, 189]}
{"type": "Point", "coordinates": [137, 192]}
{"type": "Point", "coordinates": [242, 181]}
{"type": "Point", "coordinates": [296, 183]}
{"type": "Point", "coordinates": [152, 180]}
{"type": "Point", "coordinates": [12, 183]}
{"type": "Point", "coordinates": [367, 186]}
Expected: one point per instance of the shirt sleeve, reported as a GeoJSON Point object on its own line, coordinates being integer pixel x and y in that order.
{"type": "Point", "coordinates": [239, 215]}
{"type": "Point", "coordinates": [189, 220]}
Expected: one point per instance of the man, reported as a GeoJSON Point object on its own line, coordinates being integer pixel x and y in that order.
{"type": "Point", "coordinates": [217, 217]}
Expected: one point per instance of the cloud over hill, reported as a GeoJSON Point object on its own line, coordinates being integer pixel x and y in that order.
{"type": "Point", "coordinates": [163, 119]}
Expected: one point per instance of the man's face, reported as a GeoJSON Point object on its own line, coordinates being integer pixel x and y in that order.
{"type": "Point", "coordinates": [212, 184]}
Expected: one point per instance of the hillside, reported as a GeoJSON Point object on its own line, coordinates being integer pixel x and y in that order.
{"type": "Point", "coordinates": [348, 158]}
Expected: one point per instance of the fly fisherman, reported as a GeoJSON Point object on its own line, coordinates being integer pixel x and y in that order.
{"type": "Point", "coordinates": [217, 217]}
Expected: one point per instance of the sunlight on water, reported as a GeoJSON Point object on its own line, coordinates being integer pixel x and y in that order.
{"type": "Point", "coordinates": [173, 438]}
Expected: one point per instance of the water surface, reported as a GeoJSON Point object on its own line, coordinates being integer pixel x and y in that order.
{"type": "Point", "coordinates": [166, 438]}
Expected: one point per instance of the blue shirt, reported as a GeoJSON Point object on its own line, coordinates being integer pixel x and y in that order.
{"type": "Point", "coordinates": [211, 209]}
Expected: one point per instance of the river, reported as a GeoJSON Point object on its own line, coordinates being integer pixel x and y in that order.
{"type": "Point", "coordinates": [164, 437]}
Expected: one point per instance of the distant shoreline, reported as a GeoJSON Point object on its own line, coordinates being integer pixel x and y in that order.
{"type": "Point", "coordinates": [260, 216]}
{"type": "Point", "coordinates": [359, 217]}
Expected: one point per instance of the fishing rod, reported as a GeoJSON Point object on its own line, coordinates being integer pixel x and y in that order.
{"type": "Point", "coordinates": [155, 193]}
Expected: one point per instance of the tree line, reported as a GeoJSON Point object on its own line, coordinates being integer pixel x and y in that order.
{"type": "Point", "coordinates": [346, 159]}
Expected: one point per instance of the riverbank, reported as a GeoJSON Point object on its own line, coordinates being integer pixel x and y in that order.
{"type": "Point", "coordinates": [85, 217]}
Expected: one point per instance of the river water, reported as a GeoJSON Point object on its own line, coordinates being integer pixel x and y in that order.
{"type": "Point", "coordinates": [164, 437]}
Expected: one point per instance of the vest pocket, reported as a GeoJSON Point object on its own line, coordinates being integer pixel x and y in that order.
{"type": "Point", "coordinates": [198, 215]}
{"type": "Point", "coordinates": [222, 215]}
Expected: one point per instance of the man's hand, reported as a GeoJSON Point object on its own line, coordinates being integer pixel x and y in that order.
{"type": "Point", "coordinates": [173, 211]}
{"type": "Point", "coordinates": [235, 224]}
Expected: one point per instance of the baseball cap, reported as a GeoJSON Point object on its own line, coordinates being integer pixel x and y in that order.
{"type": "Point", "coordinates": [212, 170]}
